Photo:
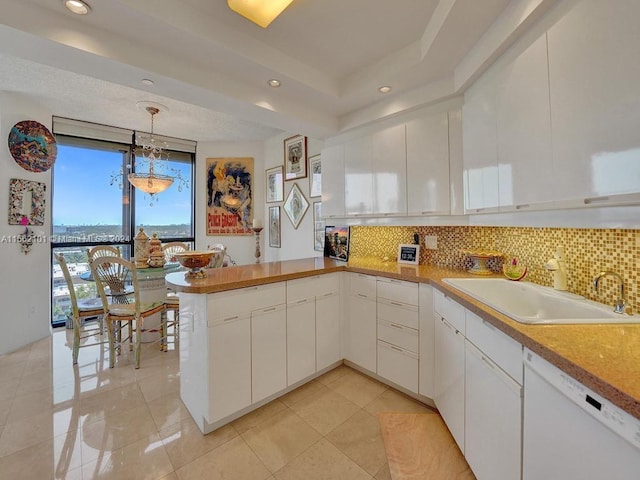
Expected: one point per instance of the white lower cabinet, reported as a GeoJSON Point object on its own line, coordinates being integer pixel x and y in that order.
{"type": "Point", "coordinates": [327, 330]}
{"type": "Point", "coordinates": [493, 419]}
{"type": "Point", "coordinates": [229, 367]}
{"type": "Point", "coordinates": [360, 341]}
{"type": "Point", "coordinates": [268, 352]}
{"type": "Point", "coordinates": [301, 340]}
{"type": "Point", "coordinates": [426, 366]}
{"type": "Point", "coordinates": [398, 365]}
{"type": "Point", "coordinates": [449, 378]}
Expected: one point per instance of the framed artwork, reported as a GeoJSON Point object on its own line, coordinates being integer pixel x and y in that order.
{"type": "Point", "coordinates": [409, 254]}
{"type": "Point", "coordinates": [318, 227]}
{"type": "Point", "coordinates": [275, 192]}
{"type": "Point", "coordinates": [296, 205]}
{"type": "Point", "coordinates": [336, 242]}
{"type": "Point", "coordinates": [229, 196]}
{"type": "Point", "coordinates": [315, 178]}
{"type": "Point", "coordinates": [26, 202]}
{"type": "Point", "coordinates": [274, 227]}
{"type": "Point", "coordinates": [295, 157]}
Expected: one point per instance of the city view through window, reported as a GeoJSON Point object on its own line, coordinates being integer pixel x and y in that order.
{"type": "Point", "coordinates": [93, 204]}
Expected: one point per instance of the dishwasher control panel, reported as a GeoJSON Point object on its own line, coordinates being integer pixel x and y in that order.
{"type": "Point", "coordinates": [616, 419]}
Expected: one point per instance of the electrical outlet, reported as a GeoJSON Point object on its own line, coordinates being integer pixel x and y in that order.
{"type": "Point", "coordinates": [431, 242]}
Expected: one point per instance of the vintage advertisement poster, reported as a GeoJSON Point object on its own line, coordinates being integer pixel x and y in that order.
{"type": "Point", "coordinates": [229, 196]}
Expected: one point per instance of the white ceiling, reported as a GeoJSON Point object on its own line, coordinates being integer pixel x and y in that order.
{"type": "Point", "coordinates": [210, 66]}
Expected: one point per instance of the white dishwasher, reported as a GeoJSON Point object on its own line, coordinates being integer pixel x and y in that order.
{"type": "Point", "coordinates": [571, 433]}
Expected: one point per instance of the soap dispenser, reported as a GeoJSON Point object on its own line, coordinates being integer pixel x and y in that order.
{"type": "Point", "coordinates": [558, 266]}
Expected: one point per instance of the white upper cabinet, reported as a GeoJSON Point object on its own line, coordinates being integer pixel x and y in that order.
{"type": "Point", "coordinates": [594, 71]}
{"type": "Point", "coordinates": [479, 143]}
{"type": "Point", "coordinates": [428, 165]}
{"type": "Point", "coordinates": [358, 173]}
{"type": "Point", "coordinates": [333, 181]}
{"type": "Point", "coordinates": [389, 171]}
{"type": "Point", "coordinates": [525, 165]}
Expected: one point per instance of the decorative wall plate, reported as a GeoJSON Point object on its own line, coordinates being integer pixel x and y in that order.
{"type": "Point", "coordinates": [32, 146]}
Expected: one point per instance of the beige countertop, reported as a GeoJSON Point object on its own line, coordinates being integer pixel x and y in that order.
{"type": "Point", "coordinates": [605, 358]}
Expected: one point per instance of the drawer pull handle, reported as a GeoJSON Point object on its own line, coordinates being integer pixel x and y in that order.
{"type": "Point", "coordinates": [588, 201]}
{"type": "Point", "coordinates": [520, 207]}
{"type": "Point", "coordinates": [396, 304]}
{"type": "Point", "coordinates": [328, 294]}
{"type": "Point", "coordinates": [362, 295]}
{"type": "Point", "coordinates": [397, 349]}
{"type": "Point", "coordinates": [395, 325]}
{"type": "Point", "coordinates": [272, 309]}
{"type": "Point", "coordinates": [301, 301]}
{"type": "Point", "coordinates": [230, 318]}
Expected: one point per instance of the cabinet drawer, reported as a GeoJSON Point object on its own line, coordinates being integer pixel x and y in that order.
{"type": "Point", "coordinates": [397, 290]}
{"type": "Point", "coordinates": [315, 286]}
{"type": "Point", "coordinates": [235, 303]}
{"type": "Point", "coordinates": [449, 309]}
{"type": "Point", "coordinates": [398, 365]}
{"type": "Point", "coordinates": [360, 284]}
{"type": "Point", "coordinates": [499, 347]}
{"type": "Point", "coordinates": [395, 334]}
{"type": "Point", "coordinates": [399, 313]}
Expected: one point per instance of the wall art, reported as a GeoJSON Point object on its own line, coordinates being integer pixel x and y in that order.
{"type": "Point", "coordinates": [295, 157]}
{"type": "Point", "coordinates": [315, 176]}
{"type": "Point", "coordinates": [274, 227]}
{"type": "Point", "coordinates": [32, 146]}
{"type": "Point", "coordinates": [296, 205]}
{"type": "Point", "coordinates": [229, 196]}
{"type": "Point", "coordinates": [275, 192]}
{"type": "Point", "coordinates": [318, 227]}
{"type": "Point", "coordinates": [26, 202]}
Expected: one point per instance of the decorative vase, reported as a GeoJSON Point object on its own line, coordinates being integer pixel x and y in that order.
{"type": "Point", "coordinates": [141, 249]}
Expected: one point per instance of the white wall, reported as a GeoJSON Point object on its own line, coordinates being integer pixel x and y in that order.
{"type": "Point", "coordinates": [25, 280]}
{"type": "Point", "coordinates": [296, 243]}
{"type": "Point", "coordinates": [240, 248]}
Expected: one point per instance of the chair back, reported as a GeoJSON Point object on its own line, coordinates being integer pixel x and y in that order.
{"type": "Point", "coordinates": [67, 277]}
{"type": "Point", "coordinates": [218, 259]}
{"type": "Point", "coordinates": [117, 276]}
{"type": "Point", "coordinates": [102, 251]}
{"type": "Point", "coordinates": [171, 248]}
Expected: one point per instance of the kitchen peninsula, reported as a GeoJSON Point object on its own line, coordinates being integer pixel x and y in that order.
{"type": "Point", "coordinates": [240, 328]}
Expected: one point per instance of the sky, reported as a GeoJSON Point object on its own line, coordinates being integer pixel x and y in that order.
{"type": "Point", "coordinates": [83, 195]}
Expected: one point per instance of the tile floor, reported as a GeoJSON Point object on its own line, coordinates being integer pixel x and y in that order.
{"type": "Point", "coordinates": [88, 422]}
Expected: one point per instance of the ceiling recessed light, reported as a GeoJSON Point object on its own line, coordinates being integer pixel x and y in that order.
{"type": "Point", "coordinates": [384, 89]}
{"type": "Point", "coordinates": [147, 81]}
{"type": "Point", "coordinates": [77, 6]}
{"type": "Point", "coordinates": [274, 83]}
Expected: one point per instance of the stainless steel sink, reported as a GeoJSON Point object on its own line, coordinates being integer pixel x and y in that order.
{"type": "Point", "coordinates": [530, 303]}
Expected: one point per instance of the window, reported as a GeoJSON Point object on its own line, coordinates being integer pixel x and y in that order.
{"type": "Point", "coordinates": [94, 204]}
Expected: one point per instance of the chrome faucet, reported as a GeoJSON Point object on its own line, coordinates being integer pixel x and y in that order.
{"type": "Point", "coordinates": [618, 307]}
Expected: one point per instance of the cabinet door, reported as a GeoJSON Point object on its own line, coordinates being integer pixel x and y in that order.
{"type": "Point", "coordinates": [428, 165]}
{"type": "Point", "coordinates": [479, 144]}
{"type": "Point", "coordinates": [398, 365]}
{"type": "Point", "coordinates": [268, 352]}
{"type": "Point", "coordinates": [327, 330]}
{"type": "Point", "coordinates": [360, 334]}
{"type": "Point", "coordinates": [229, 368]}
{"type": "Point", "coordinates": [390, 171]}
{"type": "Point", "coordinates": [358, 172]}
{"type": "Point", "coordinates": [595, 93]}
{"type": "Point", "coordinates": [525, 163]}
{"type": "Point", "coordinates": [333, 181]}
{"type": "Point", "coordinates": [493, 419]}
{"type": "Point", "coordinates": [450, 379]}
{"type": "Point", "coordinates": [427, 342]}
{"type": "Point", "coordinates": [301, 340]}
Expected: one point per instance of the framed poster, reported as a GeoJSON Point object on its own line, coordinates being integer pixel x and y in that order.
{"type": "Point", "coordinates": [295, 157]}
{"type": "Point", "coordinates": [409, 254]}
{"type": "Point", "coordinates": [336, 242]}
{"type": "Point", "coordinates": [318, 227]}
{"type": "Point", "coordinates": [274, 184]}
{"type": "Point", "coordinates": [274, 227]}
{"type": "Point", "coordinates": [315, 178]}
{"type": "Point", "coordinates": [296, 205]}
{"type": "Point", "coordinates": [229, 196]}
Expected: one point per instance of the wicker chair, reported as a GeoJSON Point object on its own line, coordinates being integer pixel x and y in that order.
{"type": "Point", "coordinates": [103, 251]}
{"type": "Point", "coordinates": [172, 301]}
{"type": "Point", "coordinates": [80, 310]}
{"type": "Point", "coordinates": [117, 276]}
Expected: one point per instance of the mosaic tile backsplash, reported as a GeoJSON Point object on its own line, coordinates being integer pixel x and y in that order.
{"type": "Point", "coordinates": [587, 252]}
